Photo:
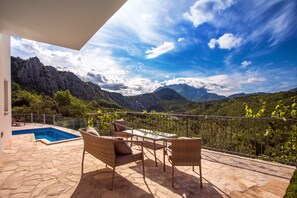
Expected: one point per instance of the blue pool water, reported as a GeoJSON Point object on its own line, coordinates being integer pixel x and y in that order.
{"type": "Point", "coordinates": [51, 134]}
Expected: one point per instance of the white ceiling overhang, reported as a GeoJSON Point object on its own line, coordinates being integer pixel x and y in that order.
{"type": "Point", "coordinates": [67, 23]}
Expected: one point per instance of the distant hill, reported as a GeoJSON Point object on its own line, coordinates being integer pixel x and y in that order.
{"type": "Point", "coordinates": [193, 93]}
{"type": "Point", "coordinates": [169, 94]}
{"type": "Point", "coordinates": [295, 89]}
{"type": "Point", "coordinates": [235, 106]}
{"type": "Point", "coordinates": [34, 76]}
{"type": "Point", "coordinates": [237, 95]}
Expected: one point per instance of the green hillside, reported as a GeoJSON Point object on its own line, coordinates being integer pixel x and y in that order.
{"type": "Point", "coordinates": [236, 106]}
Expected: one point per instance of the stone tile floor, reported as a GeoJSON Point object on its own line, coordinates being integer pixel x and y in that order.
{"type": "Point", "coordinates": [32, 169]}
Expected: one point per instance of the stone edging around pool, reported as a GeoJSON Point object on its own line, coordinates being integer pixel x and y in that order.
{"type": "Point", "coordinates": [46, 142]}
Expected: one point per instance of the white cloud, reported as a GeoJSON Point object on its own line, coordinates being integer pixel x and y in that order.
{"type": "Point", "coordinates": [223, 84]}
{"type": "Point", "coordinates": [180, 39]}
{"type": "Point", "coordinates": [227, 41]}
{"type": "Point", "coordinates": [253, 80]}
{"type": "Point", "coordinates": [204, 10]}
{"type": "Point", "coordinates": [277, 25]}
{"type": "Point", "coordinates": [162, 49]}
{"type": "Point", "coordinates": [246, 63]}
{"type": "Point", "coordinates": [212, 43]}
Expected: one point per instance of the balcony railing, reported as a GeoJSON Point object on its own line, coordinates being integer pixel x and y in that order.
{"type": "Point", "coordinates": [265, 138]}
{"type": "Point", "coordinates": [57, 120]}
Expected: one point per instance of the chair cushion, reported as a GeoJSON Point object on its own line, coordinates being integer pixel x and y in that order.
{"type": "Point", "coordinates": [119, 125]}
{"type": "Point", "coordinates": [93, 131]}
{"type": "Point", "coordinates": [121, 147]}
{"type": "Point", "coordinates": [124, 159]}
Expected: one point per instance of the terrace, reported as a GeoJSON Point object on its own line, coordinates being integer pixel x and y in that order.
{"type": "Point", "coordinates": [32, 169]}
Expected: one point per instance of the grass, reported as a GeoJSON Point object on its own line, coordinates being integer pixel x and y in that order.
{"type": "Point", "coordinates": [292, 188]}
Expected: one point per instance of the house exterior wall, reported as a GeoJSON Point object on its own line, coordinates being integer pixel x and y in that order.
{"type": "Point", "coordinates": [5, 91]}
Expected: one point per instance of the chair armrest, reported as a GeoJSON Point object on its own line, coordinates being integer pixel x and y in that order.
{"type": "Point", "coordinates": [133, 141]}
{"type": "Point", "coordinates": [168, 139]}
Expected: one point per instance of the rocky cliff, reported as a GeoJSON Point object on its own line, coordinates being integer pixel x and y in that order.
{"type": "Point", "coordinates": [33, 75]}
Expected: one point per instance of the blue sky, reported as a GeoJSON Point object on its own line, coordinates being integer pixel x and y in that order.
{"type": "Point", "coordinates": [226, 46]}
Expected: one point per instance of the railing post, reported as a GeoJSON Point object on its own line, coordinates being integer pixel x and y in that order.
{"type": "Point", "coordinates": [187, 127]}
{"type": "Point", "coordinates": [97, 125]}
{"type": "Point", "coordinates": [31, 117]}
{"type": "Point", "coordinates": [54, 120]}
{"type": "Point", "coordinates": [87, 120]}
{"type": "Point", "coordinates": [44, 118]}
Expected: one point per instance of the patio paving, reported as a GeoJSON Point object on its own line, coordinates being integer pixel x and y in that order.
{"type": "Point", "coordinates": [32, 169]}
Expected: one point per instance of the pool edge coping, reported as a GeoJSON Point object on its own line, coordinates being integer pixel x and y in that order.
{"type": "Point", "coordinates": [47, 142]}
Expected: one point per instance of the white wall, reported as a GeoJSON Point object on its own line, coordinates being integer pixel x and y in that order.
{"type": "Point", "coordinates": [5, 116]}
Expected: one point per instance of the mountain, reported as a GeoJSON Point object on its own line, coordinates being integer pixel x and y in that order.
{"type": "Point", "coordinates": [293, 90]}
{"type": "Point", "coordinates": [244, 94]}
{"type": "Point", "coordinates": [162, 100]}
{"type": "Point", "coordinates": [193, 93]}
{"type": "Point", "coordinates": [34, 76]}
{"type": "Point", "coordinates": [237, 95]}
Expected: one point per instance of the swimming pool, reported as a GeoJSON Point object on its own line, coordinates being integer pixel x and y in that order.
{"type": "Point", "coordinates": [50, 134]}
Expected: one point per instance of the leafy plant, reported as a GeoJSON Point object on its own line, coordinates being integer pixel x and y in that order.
{"type": "Point", "coordinates": [291, 191]}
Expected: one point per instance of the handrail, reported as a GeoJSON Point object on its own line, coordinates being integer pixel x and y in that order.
{"type": "Point", "coordinates": [265, 138]}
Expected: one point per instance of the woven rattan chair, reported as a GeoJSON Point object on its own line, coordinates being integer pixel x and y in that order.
{"type": "Point", "coordinates": [15, 122]}
{"type": "Point", "coordinates": [103, 148]}
{"type": "Point", "coordinates": [184, 152]}
{"type": "Point", "coordinates": [120, 127]}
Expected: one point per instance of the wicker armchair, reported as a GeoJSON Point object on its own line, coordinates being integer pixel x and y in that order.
{"type": "Point", "coordinates": [120, 127]}
{"type": "Point", "coordinates": [104, 149]}
{"type": "Point", "coordinates": [184, 152]}
{"type": "Point", "coordinates": [15, 122]}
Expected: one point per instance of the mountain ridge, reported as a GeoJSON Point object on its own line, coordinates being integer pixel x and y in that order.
{"type": "Point", "coordinates": [33, 75]}
{"type": "Point", "coordinates": [193, 93]}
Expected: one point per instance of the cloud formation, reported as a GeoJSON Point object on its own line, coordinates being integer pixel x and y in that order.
{"type": "Point", "coordinates": [246, 63]}
{"type": "Point", "coordinates": [119, 57]}
{"type": "Point", "coordinates": [180, 39]}
{"type": "Point", "coordinates": [96, 78]}
{"type": "Point", "coordinates": [204, 10]}
{"type": "Point", "coordinates": [275, 28]}
{"type": "Point", "coordinates": [114, 87]}
{"type": "Point", "coordinates": [162, 49]}
{"type": "Point", "coordinates": [227, 41]}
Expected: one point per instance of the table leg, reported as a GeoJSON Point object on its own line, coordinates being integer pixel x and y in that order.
{"type": "Point", "coordinates": [164, 144]}
{"type": "Point", "coordinates": [155, 153]}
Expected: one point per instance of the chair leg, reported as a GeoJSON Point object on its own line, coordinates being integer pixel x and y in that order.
{"type": "Point", "coordinates": [200, 170]}
{"type": "Point", "coordinates": [193, 168]}
{"type": "Point", "coordinates": [164, 165]}
{"type": "Point", "coordinates": [82, 162]}
{"type": "Point", "coordinates": [172, 175]}
{"type": "Point", "coordinates": [155, 153]}
{"type": "Point", "coordinates": [143, 167]}
{"type": "Point", "coordinates": [112, 178]}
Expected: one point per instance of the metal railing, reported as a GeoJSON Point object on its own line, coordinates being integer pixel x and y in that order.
{"type": "Point", "coordinates": [56, 120]}
{"type": "Point", "coordinates": [265, 138]}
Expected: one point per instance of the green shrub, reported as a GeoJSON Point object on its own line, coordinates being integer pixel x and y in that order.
{"type": "Point", "coordinates": [292, 189]}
